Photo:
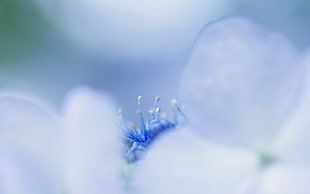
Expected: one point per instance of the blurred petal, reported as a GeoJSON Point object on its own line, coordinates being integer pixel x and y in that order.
{"type": "Point", "coordinates": [22, 174]}
{"type": "Point", "coordinates": [282, 179]}
{"type": "Point", "coordinates": [184, 163]}
{"type": "Point", "coordinates": [92, 145]}
{"type": "Point", "coordinates": [241, 82]}
{"type": "Point", "coordinates": [30, 138]}
{"type": "Point", "coordinates": [293, 144]}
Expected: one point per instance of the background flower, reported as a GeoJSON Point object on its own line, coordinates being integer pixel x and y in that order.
{"type": "Point", "coordinates": [30, 147]}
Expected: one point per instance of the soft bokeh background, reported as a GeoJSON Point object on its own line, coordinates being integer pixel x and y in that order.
{"type": "Point", "coordinates": [128, 48]}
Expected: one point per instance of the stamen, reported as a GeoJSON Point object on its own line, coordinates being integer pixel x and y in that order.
{"type": "Point", "coordinates": [174, 102]}
{"type": "Point", "coordinates": [157, 113]}
{"type": "Point", "coordinates": [120, 111]}
{"type": "Point", "coordinates": [142, 123]}
{"type": "Point", "coordinates": [139, 103]}
{"type": "Point", "coordinates": [157, 99]}
{"type": "Point", "coordinates": [146, 133]}
{"type": "Point", "coordinates": [150, 117]}
{"type": "Point", "coordinates": [177, 110]}
{"type": "Point", "coordinates": [133, 126]}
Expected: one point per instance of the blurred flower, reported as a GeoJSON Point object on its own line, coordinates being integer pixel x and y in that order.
{"type": "Point", "coordinates": [92, 145]}
{"type": "Point", "coordinates": [247, 98]}
{"type": "Point", "coordinates": [38, 156]}
{"type": "Point", "coordinates": [30, 142]}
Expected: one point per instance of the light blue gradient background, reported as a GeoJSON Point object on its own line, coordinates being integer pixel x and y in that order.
{"type": "Point", "coordinates": [126, 48]}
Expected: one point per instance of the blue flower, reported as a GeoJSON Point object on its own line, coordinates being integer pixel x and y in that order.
{"type": "Point", "coordinates": [138, 140]}
{"type": "Point", "coordinates": [246, 90]}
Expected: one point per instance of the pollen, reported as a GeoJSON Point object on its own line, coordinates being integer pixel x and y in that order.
{"type": "Point", "coordinates": [157, 98]}
{"type": "Point", "coordinates": [174, 102]}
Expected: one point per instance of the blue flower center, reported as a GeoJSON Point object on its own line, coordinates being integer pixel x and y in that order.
{"type": "Point", "coordinates": [137, 140]}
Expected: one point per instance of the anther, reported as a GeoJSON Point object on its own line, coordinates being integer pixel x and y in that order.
{"type": "Point", "coordinates": [120, 111]}
{"type": "Point", "coordinates": [139, 103]}
{"type": "Point", "coordinates": [139, 113]}
{"type": "Point", "coordinates": [174, 102]}
{"type": "Point", "coordinates": [133, 126]}
{"type": "Point", "coordinates": [157, 98]}
{"type": "Point", "coordinates": [157, 113]}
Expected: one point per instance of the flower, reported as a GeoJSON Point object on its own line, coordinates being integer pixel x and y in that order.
{"type": "Point", "coordinates": [76, 153]}
{"type": "Point", "coordinates": [92, 143]}
{"type": "Point", "coordinates": [247, 96]}
{"type": "Point", "coordinates": [30, 144]}
{"type": "Point", "coordinates": [136, 141]}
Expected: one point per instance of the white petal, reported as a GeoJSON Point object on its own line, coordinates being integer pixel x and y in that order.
{"type": "Point", "coordinates": [241, 81]}
{"type": "Point", "coordinates": [282, 179]}
{"type": "Point", "coordinates": [293, 144]}
{"type": "Point", "coordinates": [92, 144]}
{"type": "Point", "coordinates": [184, 163]}
{"type": "Point", "coordinates": [21, 174]}
{"type": "Point", "coordinates": [27, 131]}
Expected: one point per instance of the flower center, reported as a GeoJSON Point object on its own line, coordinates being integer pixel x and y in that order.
{"type": "Point", "coordinates": [136, 140]}
{"type": "Point", "coordinates": [265, 158]}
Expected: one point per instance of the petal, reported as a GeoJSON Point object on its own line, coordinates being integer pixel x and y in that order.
{"type": "Point", "coordinates": [293, 143]}
{"type": "Point", "coordinates": [28, 132]}
{"type": "Point", "coordinates": [284, 179]}
{"type": "Point", "coordinates": [21, 174]}
{"type": "Point", "coordinates": [92, 162]}
{"type": "Point", "coordinates": [182, 162]}
{"type": "Point", "coordinates": [240, 83]}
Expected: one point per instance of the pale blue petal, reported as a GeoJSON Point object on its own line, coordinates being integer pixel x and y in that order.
{"type": "Point", "coordinates": [183, 163]}
{"type": "Point", "coordinates": [30, 138]}
{"type": "Point", "coordinates": [241, 82]}
{"type": "Point", "coordinates": [92, 164]}
{"type": "Point", "coordinates": [293, 143]}
{"type": "Point", "coordinates": [20, 173]}
{"type": "Point", "coordinates": [285, 179]}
